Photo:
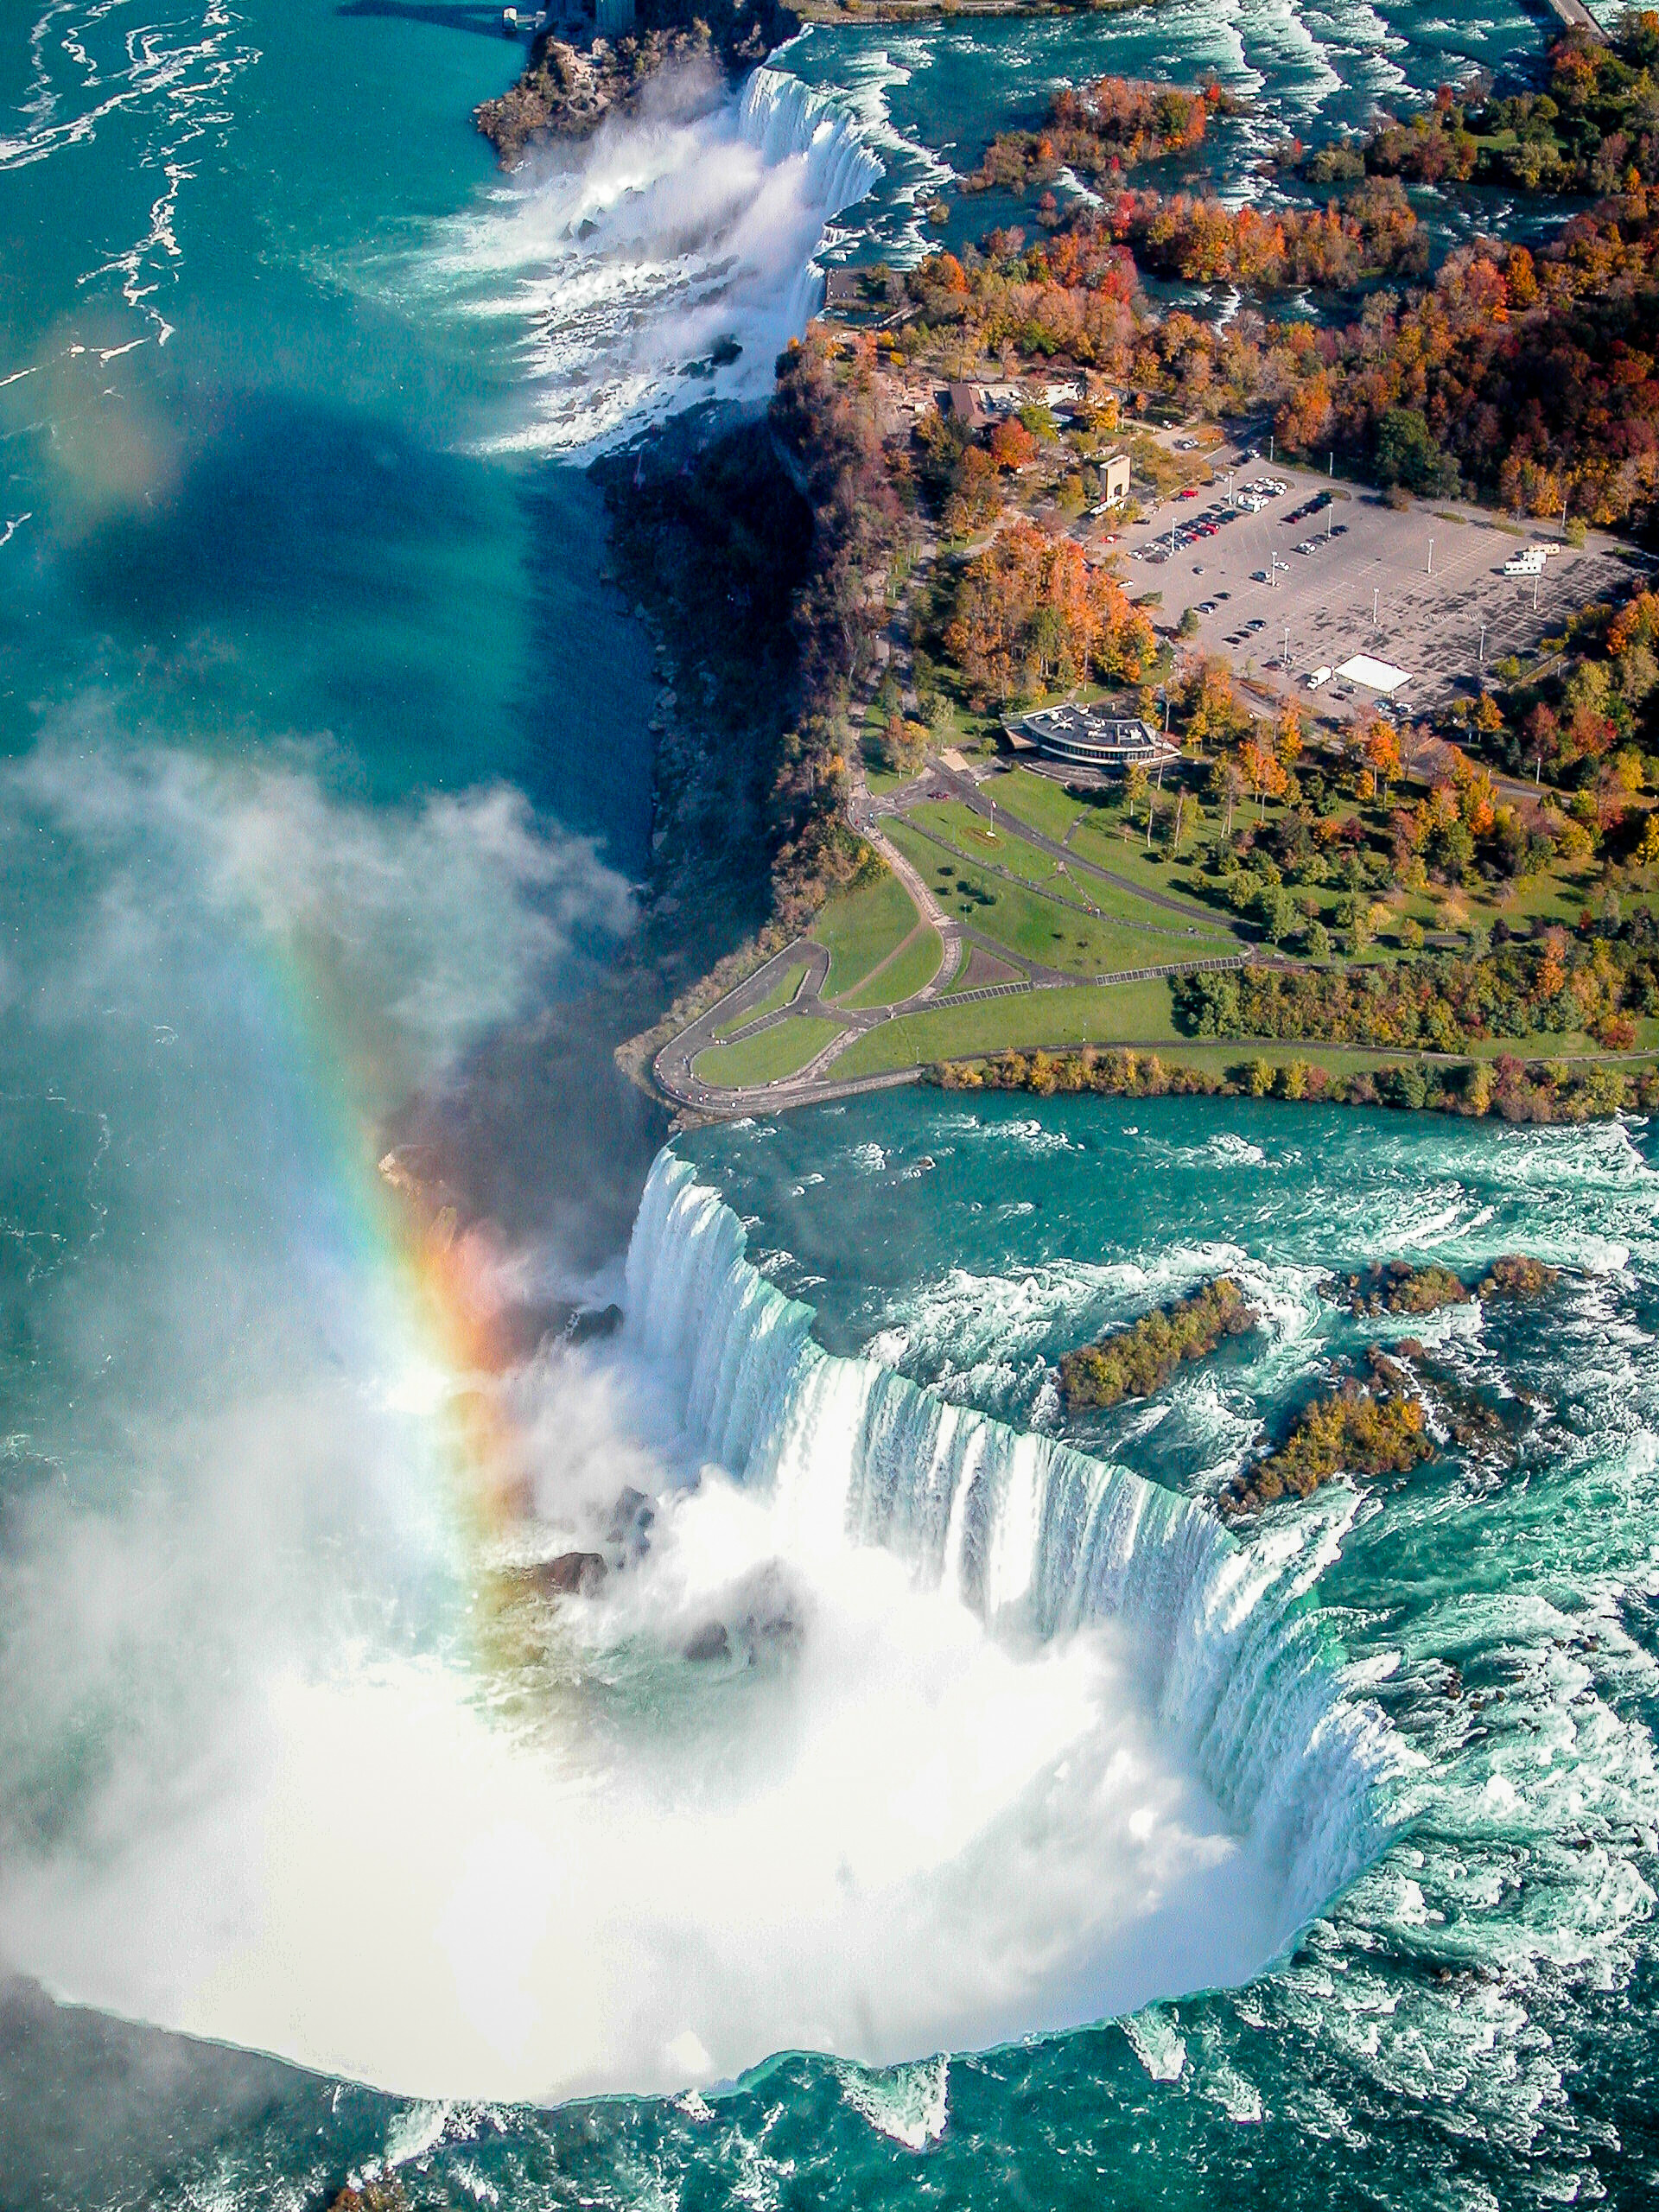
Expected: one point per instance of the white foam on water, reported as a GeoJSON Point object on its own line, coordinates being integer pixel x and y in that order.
{"type": "Point", "coordinates": [910, 2106]}
{"type": "Point", "coordinates": [679, 232]}
{"type": "Point", "coordinates": [1156, 2043]}
{"type": "Point", "coordinates": [170, 81]}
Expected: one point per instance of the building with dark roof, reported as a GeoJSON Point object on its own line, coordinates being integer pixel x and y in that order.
{"type": "Point", "coordinates": [1099, 738]}
{"type": "Point", "coordinates": [967, 405]}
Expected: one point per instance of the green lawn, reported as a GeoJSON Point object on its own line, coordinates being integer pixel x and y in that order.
{"type": "Point", "coordinates": [1102, 1013]}
{"type": "Point", "coordinates": [783, 1050]}
{"type": "Point", "coordinates": [970, 833]}
{"type": "Point", "coordinates": [1099, 837]}
{"type": "Point", "coordinates": [905, 975]}
{"type": "Point", "coordinates": [860, 929]}
{"type": "Point", "coordinates": [1077, 887]}
{"type": "Point", "coordinates": [1061, 937]}
{"type": "Point", "coordinates": [1036, 799]}
{"type": "Point", "coordinates": [776, 998]}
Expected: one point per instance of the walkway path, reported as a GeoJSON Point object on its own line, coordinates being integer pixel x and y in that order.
{"type": "Point", "coordinates": [674, 1065]}
{"type": "Point", "coordinates": [963, 787]}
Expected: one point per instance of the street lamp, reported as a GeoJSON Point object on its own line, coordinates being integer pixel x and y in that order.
{"type": "Point", "coordinates": [1431, 554]}
{"type": "Point", "coordinates": [1375, 588]}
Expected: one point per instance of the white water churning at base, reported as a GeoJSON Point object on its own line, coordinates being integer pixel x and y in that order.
{"type": "Point", "coordinates": [1036, 1537]}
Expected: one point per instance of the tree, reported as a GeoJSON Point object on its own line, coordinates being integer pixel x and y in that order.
{"type": "Point", "coordinates": [1012, 446]}
{"type": "Point", "coordinates": [1407, 453]}
{"type": "Point", "coordinates": [1277, 912]}
{"type": "Point", "coordinates": [1263, 766]}
{"type": "Point", "coordinates": [1382, 755]}
{"type": "Point", "coordinates": [1287, 734]}
{"type": "Point", "coordinates": [1226, 784]}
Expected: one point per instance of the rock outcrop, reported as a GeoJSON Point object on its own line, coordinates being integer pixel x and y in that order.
{"type": "Point", "coordinates": [572, 1574]}
{"type": "Point", "coordinates": [567, 91]}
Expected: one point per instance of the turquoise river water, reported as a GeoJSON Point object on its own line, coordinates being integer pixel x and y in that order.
{"type": "Point", "coordinates": [325, 758]}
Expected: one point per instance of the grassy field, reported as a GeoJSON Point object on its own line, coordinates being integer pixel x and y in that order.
{"type": "Point", "coordinates": [783, 1050]}
{"type": "Point", "coordinates": [775, 1000]}
{"type": "Point", "coordinates": [967, 834]}
{"type": "Point", "coordinates": [961, 827]}
{"type": "Point", "coordinates": [1101, 1014]}
{"type": "Point", "coordinates": [1036, 799]}
{"type": "Point", "coordinates": [1061, 937]}
{"type": "Point", "coordinates": [860, 930]}
{"type": "Point", "coordinates": [916, 965]}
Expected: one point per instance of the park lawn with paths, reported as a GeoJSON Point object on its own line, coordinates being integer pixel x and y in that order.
{"type": "Point", "coordinates": [911, 970]}
{"type": "Point", "coordinates": [1077, 886]}
{"type": "Point", "coordinates": [970, 834]}
{"type": "Point", "coordinates": [774, 1001]}
{"type": "Point", "coordinates": [1033, 928]}
{"type": "Point", "coordinates": [1100, 838]}
{"type": "Point", "coordinates": [770, 1054]}
{"type": "Point", "coordinates": [1102, 1014]}
{"type": "Point", "coordinates": [1046, 804]}
{"type": "Point", "coordinates": [860, 928]}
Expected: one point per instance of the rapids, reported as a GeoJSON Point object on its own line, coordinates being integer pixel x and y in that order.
{"type": "Point", "coordinates": [327, 769]}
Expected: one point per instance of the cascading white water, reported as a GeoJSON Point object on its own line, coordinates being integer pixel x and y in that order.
{"type": "Point", "coordinates": [670, 263]}
{"type": "Point", "coordinates": [1033, 1534]}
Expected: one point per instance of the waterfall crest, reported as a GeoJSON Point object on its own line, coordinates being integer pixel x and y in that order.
{"type": "Point", "coordinates": [1033, 1535]}
{"type": "Point", "coordinates": [668, 262]}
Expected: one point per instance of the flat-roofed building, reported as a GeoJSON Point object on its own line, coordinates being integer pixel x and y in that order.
{"type": "Point", "coordinates": [1099, 738]}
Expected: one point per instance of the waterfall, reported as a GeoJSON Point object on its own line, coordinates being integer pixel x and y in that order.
{"type": "Point", "coordinates": [667, 262]}
{"type": "Point", "coordinates": [1034, 1536]}
{"type": "Point", "coordinates": [786, 118]}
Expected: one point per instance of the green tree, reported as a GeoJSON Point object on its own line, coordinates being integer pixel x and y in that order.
{"type": "Point", "coordinates": [1407, 453]}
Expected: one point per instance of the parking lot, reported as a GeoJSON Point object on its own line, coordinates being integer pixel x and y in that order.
{"type": "Point", "coordinates": [1280, 597]}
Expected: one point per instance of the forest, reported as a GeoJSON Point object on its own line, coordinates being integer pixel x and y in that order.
{"type": "Point", "coordinates": [1592, 129]}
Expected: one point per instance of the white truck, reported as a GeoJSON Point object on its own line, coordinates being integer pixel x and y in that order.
{"type": "Point", "coordinates": [1316, 676]}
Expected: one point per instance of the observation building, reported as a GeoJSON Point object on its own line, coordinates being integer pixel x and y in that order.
{"type": "Point", "coordinates": [1095, 737]}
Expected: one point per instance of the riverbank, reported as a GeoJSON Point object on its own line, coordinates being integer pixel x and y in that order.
{"type": "Point", "coordinates": [566, 89]}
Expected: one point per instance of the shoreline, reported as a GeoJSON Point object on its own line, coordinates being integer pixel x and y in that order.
{"type": "Point", "coordinates": [566, 91]}
{"type": "Point", "coordinates": [839, 409]}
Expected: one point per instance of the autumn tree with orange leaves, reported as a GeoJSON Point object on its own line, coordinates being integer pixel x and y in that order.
{"type": "Point", "coordinates": [1031, 616]}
